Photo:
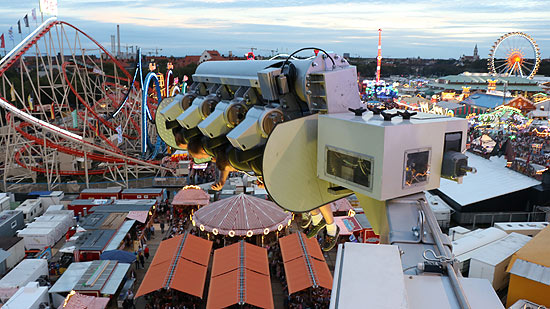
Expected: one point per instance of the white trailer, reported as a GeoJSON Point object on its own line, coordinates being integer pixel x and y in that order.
{"type": "Point", "coordinates": [57, 226]}
{"type": "Point", "coordinates": [27, 271]}
{"type": "Point", "coordinates": [64, 216]}
{"type": "Point", "coordinates": [31, 209]}
{"type": "Point", "coordinates": [441, 210]}
{"type": "Point", "coordinates": [4, 202]}
{"type": "Point", "coordinates": [490, 262]}
{"type": "Point", "coordinates": [53, 198]}
{"type": "Point", "coordinates": [525, 228]}
{"type": "Point", "coordinates": [37, 238]}
{"type": "Point", "coordinates": [31, 296]}
{"type": "Point", "coordinates": [465, 247]}
{"type": "Point", "coordinates": [457, 232]}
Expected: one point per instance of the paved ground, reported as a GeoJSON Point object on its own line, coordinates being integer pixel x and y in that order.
{"type": "Point", "coordinates": [153, 245]}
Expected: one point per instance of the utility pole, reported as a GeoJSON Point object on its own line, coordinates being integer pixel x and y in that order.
{"type": "Point", "coordinates": [379, 57]}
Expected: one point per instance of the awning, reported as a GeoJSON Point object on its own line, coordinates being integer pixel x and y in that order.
{"type": "Point", "coordinates": [119, 236]}
{"type": "Point", "coordinates": [177, 259]}
{"type": "Point", "coordinates": [347, 225]}
{"type": "Point", "coordinates": [304, 263]}
{"type": "Point", "coordinates": [140, 215]}
{"type": "Point", "coordinates": [240, 275]}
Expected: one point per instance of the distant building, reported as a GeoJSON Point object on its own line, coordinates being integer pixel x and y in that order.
{"type": "Point", "coordinates": [346, 55]}
{"type": "Point", "coordinates": [211, 55]}
{"type": "Point", "coordinates": [474, 57]}
{"type": "Point", "coordinates": [483, 81]}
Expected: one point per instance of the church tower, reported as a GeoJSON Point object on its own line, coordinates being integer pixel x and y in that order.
{"type": "Point", "coordinates": [476, 56]}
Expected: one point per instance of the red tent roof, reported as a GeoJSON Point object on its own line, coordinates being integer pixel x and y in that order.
{"type": "Point", "coordinates": [241, 214]}
{"type": "Point", "coordinates": [304, 263]}
{"type": "Point", "coordinates": [177, 259]}
{"type": "Point", "coordinates": [191, 196]}
{"type": "Point", "coordinates": [240, 275]}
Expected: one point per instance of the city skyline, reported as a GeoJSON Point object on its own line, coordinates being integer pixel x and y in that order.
{"type": "Point", "coordinates": [425, 29]}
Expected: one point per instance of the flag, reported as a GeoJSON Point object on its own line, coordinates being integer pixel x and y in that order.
{"type": "Point", "coordinates": [30, 100]}
{"type": "Point", "coordinates": [19, 25]}
{"type": "Point", "coordinates": [26, 20]}
{"type": "Point", "coordinates": [2, 43]}
{"type": "Point", "coordinates": [12, 93]}
{"type": "Point", "coordinates": [10, 33]}
{"type": "Point", "coordinates": [33, 14]}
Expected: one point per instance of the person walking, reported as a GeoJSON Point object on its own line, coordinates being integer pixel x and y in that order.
{"type": "Point", "coordinates": [131, 299]}
{"type": "Point", "coordinates": [142, 260]}
{"type": "Point", "coordinates": [152, 230]}
{"type": "Point", "coordinates": [162, 226]}
{"type": "Point", "coordinates": [146, 252]}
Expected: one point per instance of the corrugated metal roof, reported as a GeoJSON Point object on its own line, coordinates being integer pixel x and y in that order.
{"type": "Point", "coordinates": [492, 179]}
{"type": "Point", "coordinates": [70, 277]}
{"type": "Point", "coordinates": [96, 240]}
{"type": "Point", "coordinates": [531, 271]}
{"type": "Point", "coordinates": [143, 191]}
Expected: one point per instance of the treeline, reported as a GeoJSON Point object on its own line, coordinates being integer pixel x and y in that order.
{"type": "Point", "coordinates": [428, 68]}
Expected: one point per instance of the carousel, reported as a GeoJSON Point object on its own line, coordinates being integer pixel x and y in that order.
{"type": "Point", "coordinates": [242, 216]}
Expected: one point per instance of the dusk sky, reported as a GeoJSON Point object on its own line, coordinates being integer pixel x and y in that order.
{"type": "Point", "coordinates": [429, 29]}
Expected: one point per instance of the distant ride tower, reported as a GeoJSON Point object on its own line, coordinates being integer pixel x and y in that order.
{"type": "Point", "coordinates": [379, 58]}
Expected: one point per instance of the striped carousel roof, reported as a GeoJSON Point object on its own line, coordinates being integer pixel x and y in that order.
{"type": "Point", "coordinates": [191, 196]}
{"type": "Point", "coordinates": [241, 215]}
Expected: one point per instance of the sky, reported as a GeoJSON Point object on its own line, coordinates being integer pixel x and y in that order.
{"type": "Point", "coordinates": [426, 29]}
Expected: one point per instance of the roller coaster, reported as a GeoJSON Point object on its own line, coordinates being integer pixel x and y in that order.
{"type": "Point", "coordinates": [72, 111]}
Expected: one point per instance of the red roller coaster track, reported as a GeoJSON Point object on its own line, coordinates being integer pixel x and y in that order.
{"type": "Point", "coordinates": [113, 155]}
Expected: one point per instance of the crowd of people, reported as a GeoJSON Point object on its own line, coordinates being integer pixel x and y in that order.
{"type": "Point", "coordinates": [522, 149]}
{"type": "Point", "coordinates": [172, 299]}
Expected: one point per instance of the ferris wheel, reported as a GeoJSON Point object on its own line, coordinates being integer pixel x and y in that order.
{"type": "Point", "coordinates": [515, 54]}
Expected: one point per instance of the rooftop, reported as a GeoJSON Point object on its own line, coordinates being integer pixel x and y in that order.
{"type": "Point", "coordinates": [492, 179]}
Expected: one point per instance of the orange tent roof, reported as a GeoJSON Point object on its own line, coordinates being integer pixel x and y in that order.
{"type": "Point", "coordinates": [191, 196]}
{"type": "Point", "coordinates": [177, 259]}
{"type": "Point", "coordinates": [237, 280]}
{"type": "Point", "coordinates": [291, 247]}
{"type": "Point", "coordinates": [304, 263]}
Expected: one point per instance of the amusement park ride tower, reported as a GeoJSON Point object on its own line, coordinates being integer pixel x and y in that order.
{"type": "Point", "coordinates": [301, 126]}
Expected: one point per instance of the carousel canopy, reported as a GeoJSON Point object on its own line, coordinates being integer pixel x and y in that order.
{"type": "Point", "coordinates": [241, 215]}
{"type": "Point", "coordinates": [191, 196]}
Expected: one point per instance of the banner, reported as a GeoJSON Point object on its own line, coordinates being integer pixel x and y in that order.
{"type": "Point", "coordinates": [2, 43]}
{"type": "Point", "coordinates": [10, 33]}
{"type": "Point", "coordinates": [33, 14]}
{"type": "Point", "coordinates": [48, 7]}
{"type": "Point", "coordinates": [19, 26]}
{"type": "Point", "coordinates": [26, 20]}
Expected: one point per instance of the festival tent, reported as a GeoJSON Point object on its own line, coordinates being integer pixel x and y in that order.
{"type": "Point", "coordinates": [176, 261]}
{"type": "Point", "coordinates": [304, 263]}
{"type": "Point", "coordinates": [240, 275]}
{"type": "Point", "coordinates": [191, 196]}
{"type": "Point", "coordinates": [242, 215]}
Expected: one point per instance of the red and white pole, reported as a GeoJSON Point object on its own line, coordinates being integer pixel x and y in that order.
{"type": "Point", "coordinates": [379, 58]}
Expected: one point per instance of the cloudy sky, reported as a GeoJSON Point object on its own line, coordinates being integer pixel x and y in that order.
{"type": "Point", "coordinates": [429, 29]}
